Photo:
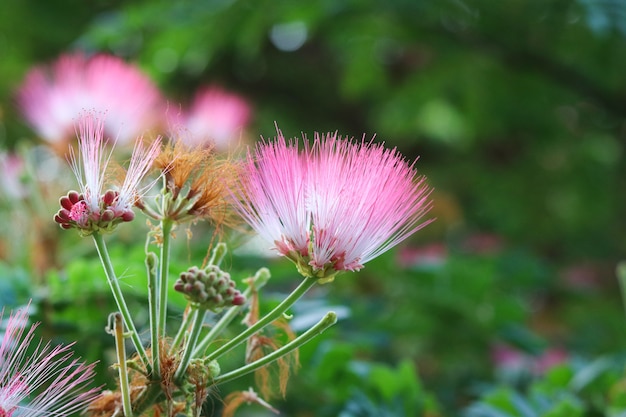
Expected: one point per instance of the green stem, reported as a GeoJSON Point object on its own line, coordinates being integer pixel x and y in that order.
{"type": "Point", "coordinates": [119, 298]}
{"type": "Point", "coordinates": [181, 333]}
{"type": "Point", "coordinates": [153, 306]}
{"type": "Point", "coordinates": [265, 320]}
{"type": "Point", "coordinates": [198, 320]}
{"type": "Point", "coordinates": [217, 328]}
{"type": "Point", "coordinates": [258, 281]}
{"type": "Point", "coordinates": [328, 320]}
{"type": "Point", "coordinates": [118, 329]}
{"type": "Point", "coordinates": [217, 256]}
{"type": "Point", "coordinates": [166, 229]}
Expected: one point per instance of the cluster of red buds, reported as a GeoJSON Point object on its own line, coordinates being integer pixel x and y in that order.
{"type": "Point", "coordinates": [75, 212]}
{"type": "Point", "coordinates": [209, 288]}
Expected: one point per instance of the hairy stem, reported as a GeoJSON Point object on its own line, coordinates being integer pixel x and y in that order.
{"type": "Point", "coordinates": [118, 331]}
{"type": "Point", "coordinates": [153, 306]}
{"type": "Point", "coordinates": [265, 320]}
{"type": "Point", "coordinates": [328, 320]}
{"type": "Point", "coordinates": [119, 299]}
{"type": "Point", "coordinates": [181, 332]}
{"type": "Point", "coordinates": [166, 229]}
{"type": "Point", "coordinates": [257, 282]}
{"type": "Point", "coordinates": [196, 328]}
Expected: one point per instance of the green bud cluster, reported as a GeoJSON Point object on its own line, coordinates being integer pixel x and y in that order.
{"type": "Point", "coordinates": [199, 373]}
{"type": "Point", "coordinates": [209, 288]}
{"type": "Point", "coordinates": [203, 368]}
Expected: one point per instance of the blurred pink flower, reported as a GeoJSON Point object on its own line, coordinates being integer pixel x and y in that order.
{"type": "Point", "coordinates": [11, 171]}
{"type": "Point", "coordinates": [483, 244]}
{"type": "Point", "coordinates": [43, 382]}
{"type": "Point", "coordinates": [432, 255]}
{"type": "Point", "coordinates": [51, 98]}
{"type": "Point", "coordinates": [582, 276]}
{"type": "Point", "coordinates": [214, 115]}
{"type": "Point", "coordinates": [334, 206]}
{"type": "Point", "coordinates": [510, 359]}
{"type": "Point", "coordinates": [549, 358]}
{"type": "Point", "coordinates": [94, 209]}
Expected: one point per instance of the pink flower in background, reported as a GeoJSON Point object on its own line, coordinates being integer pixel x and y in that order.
{"type": "Point", "coordinates": [94, 208]}
{"type": "Point", "coordinates": [427, 256]}
{"type": "Point", "coordinates": [513, 360]}
{"type": "Point", "coordinates": [51, 98]}
{"type": "Point", "coordinates": [583, 276]}
{"type": "Point", "coordinates": [550, 358]}
{"type": "Point", "coordinates": [11, 171]}
{"type": "Point", "coordinates": [483, 244]}
{"type": "Point", "coordinates": [43, 382]}
{"type": "Point", "coordinates": [214, 115]}
{"type": "Point", "coordinates": [334, 205]}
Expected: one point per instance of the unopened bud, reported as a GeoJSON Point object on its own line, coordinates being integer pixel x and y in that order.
{"type": "Point", "coordinates": [128, 216]}
{"type": "Point", "coordinates": [209, 288]}
{"type": "Point", "coordinates": [107, 215]}
{"type": "Point", "coordinates": [65, 202]}
{"type": "Point", "coordinates": [109, 197]}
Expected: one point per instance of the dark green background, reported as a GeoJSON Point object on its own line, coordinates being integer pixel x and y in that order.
{"type": "Point", "coordinates": [516, 109]}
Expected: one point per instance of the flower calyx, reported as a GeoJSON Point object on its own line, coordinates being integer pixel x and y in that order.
{"type": "Point", "coordinates": [306, 268]}
{"type": "Point", "coordinates": [209, 288]}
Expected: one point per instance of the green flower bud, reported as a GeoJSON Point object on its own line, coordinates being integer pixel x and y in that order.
{"type": "Point", "coordinates": [210, 288]}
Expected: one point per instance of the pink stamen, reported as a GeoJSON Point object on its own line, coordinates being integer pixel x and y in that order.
{"type": "Point", "coordinates": [36, 378]}
{"type": "Point", "coordinates": [79, 213]}
{"type": "Point", "coordinates": [339, 203]}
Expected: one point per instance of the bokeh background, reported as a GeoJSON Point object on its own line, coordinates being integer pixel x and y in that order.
{"type": "Point", "coordinates": [509, 304]}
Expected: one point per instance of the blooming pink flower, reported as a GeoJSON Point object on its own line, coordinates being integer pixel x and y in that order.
{"type": "Point", "coordinates": [215, 115]}
{"type": "Point", "coordinates": [94, 209]}
{"type": "Point", "coordinates": [45, 382]}
{"type": "Point", "coordinates": [334, 206]}
{"type": "Point", "coordinates": [52, 98]}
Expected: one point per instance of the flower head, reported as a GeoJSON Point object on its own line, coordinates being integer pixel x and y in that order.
{"type": "Point", "coordinates": [46, 382]}
{"type": "Point", "coordinates": [333, 206]}
{"type": "Point", "coordinates": [214, 115]}
{"type": "Point", "coordinates": [94, 209]}
{"type": "Point", "coordinates": [195, 184]}
{"type": "Point", "coordinates": [52, 97]}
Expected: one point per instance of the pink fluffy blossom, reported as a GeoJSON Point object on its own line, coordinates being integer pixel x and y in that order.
{"type": "Point", "coordinates": [333, 205]}
{"type": "Point", "coordinates": [214, 115]}
{"type": "Point", "coordinates": [51, 98]}
{"type": "Point", "coordinates": [94, 208]}
{"type": "Point", "coordinates": [43, 382]}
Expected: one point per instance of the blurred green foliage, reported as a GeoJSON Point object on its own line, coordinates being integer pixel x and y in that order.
{"type": "Point", "coordinates": [518, 100]}
{"type": "Point", "coordinates": [517, 110]}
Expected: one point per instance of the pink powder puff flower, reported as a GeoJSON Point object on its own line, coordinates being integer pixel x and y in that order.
{"type": "Point", "coordinates": [52, 97]}
{"type": "Point", "coordinates": [215, 115]}
{"type": "Point", "coordinates": [44, 382]}
{"type": "Point", "coordinates": [93, 209]}
{"type": "Point", "coordinates": [334, 206]}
